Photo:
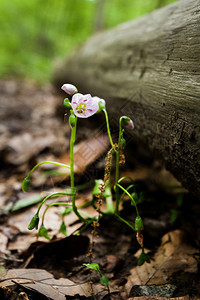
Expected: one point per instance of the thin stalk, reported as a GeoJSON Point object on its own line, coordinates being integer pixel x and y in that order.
{"type": "Point", "coordinates": [108, 127]}
{"type": "Point", "coordinates": [48, 162]}
{"type": "Point", "coordinates": [125, 177]}
{"type": "Point", "coordinates": [123, 189]}
{"type": "Point", "coordinates": [124, 221]}
{"type": "Point", "coordinates": [52, 196]}
{"type": "Point", "coordinates": [128, 188]}
{"type": "Point", "coordinates": [72, 141]}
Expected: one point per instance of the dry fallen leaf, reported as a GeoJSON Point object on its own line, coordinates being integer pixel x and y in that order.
{"type": "Point", "coordinates": [174, 255]}
{"type": "Point", "coordinates": [44, 283]}
{"type": "Point", "coordinates": [162, 298]}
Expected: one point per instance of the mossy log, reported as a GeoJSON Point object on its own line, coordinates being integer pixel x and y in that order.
{"type": "Point", "coordinates": [149, 69]}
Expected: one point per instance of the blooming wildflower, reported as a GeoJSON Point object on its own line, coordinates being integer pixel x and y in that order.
{"type": "Point", "coordinates": [84, 106]}
{"type": "Point", "coordinates": [69, 88]}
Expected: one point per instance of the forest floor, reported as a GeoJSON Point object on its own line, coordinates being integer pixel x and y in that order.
{"type": "Point", "coordinates": [34, 128]}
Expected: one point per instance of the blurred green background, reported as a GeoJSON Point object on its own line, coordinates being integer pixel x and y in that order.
{"type": "Point", "coordinates": [34, 33]}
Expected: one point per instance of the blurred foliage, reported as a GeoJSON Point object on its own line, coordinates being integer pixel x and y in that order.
{"type": "Point", "coordinates": [35, 33]}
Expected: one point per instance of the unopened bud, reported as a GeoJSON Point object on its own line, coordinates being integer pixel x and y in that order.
{"type": "Point", "coordinates": [26, 184]}
{"type": "Point", "coordinates": [67, 103]}
{"type": "Point", "coordinates": [130, 125]}
{"type": "Point", "coordinates": [127, 122]}
{"type": "Point", "coordinates": [72, 120]}
{"type": "Point", "coordinates": [138, 223]}
{"type": "Point", "coordinates": [69, 88]}
{"type": "Point", "coordinates": [34, 222]}
{"type": "Point", "coordinates": [43, 232]}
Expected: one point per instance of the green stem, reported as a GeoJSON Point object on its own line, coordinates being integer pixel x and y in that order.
{"type": "Point", "coordinates": [72, 141]}
{"type": "Point", "coordinates": [124, 221]}
{"type": "Point", "coordinates": [125, 177]}
{"type": "Point", "coordinates": [58, 194]}
{"type": "Point", "coordinates": [48, 162]}
{"type": "Point", "coordinates": [123, 189]}
{"type": "Point", "coordinates": [108, 127]}
{"type": "Point", "coordinates": [128, 188]}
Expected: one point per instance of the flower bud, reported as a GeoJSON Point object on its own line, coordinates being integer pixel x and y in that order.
{"type": "Point", "coordinates": [130, 125]}
{"type": "Point", "coordinates": [72, 120]}
{"type": "Point", "coordinates": [69, 88]}
{"type": "Point", "coordinates": [67, 103]}
{"type": "Point", "coordinates": [138, 223]}
{"type": "Point", "coordinates": [34, 222]}
{"type": "Point", "coordinates": [26, 184]}
{"type": "Point", "coordinates": [43, 232]}
{"type": "Point", "coordinates": [127, 122]}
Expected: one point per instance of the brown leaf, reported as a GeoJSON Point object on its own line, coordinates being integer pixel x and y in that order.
{"type": "Point", "coordinates": [175, 254]}
{"type": "Point", "coordinates": [161, 298]}
{"type": "Point", "coordinates": [44, 283]}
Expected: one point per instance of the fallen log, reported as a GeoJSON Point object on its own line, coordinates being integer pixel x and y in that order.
{"type": "Point", "coordinates": [149, 69]}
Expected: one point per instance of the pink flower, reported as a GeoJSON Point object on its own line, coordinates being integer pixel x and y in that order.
{"type": "Point", "coordinates": [84, 106]}
{"type": "Point", "coordinates": [69, 88]}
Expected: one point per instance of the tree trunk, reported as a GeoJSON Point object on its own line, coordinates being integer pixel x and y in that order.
{"type": "Point", "coordinates": [149, 69]}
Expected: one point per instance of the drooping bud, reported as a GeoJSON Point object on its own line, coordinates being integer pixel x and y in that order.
{"type": "Point", "coordinates": [26, 184]}
{"type": "Point", "coordinates": [127, 122]}
{"type": "Point", "coordinates": [34, 222]}
{"type": "Point", "coordinates": [130, 125]}
{"type": "Point", "coordinates": [43, 232]}
{"type": "Point", "coordinates": [138, 223]}
{"type": "Point", "coordinates": [70, 89]}
{"type": "Point", "coordinates": [67, 103]}
{"type": "Point", "coordinates": [72, 120]}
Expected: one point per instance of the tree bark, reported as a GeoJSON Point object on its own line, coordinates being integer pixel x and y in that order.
{"type": "Point", "coordinates": [149, 69]}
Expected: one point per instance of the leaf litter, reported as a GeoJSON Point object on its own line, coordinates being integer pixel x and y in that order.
{"type": "Point", "coordinates": [55, 269]}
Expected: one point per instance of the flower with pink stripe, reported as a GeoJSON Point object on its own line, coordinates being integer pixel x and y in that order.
{"type": "Point", "coordinates": [84, 106]}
